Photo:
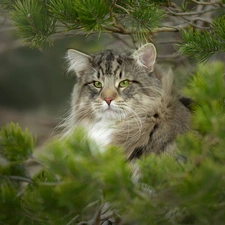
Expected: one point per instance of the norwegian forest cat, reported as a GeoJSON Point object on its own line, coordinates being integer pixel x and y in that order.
{"type": "Point", "coordinates": [125, 99]}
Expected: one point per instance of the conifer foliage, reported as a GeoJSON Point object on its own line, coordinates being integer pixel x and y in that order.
{"type": "Point", "coordinates": [201, 23]}
{"type": "Point", "coordinates": [80, 185]}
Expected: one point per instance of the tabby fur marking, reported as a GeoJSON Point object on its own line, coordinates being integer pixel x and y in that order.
{"type": "Point", "coordinates": [126, 99]}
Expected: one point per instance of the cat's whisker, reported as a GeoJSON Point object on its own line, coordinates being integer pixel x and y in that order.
{"type": "Point", "coordinates": [137, 120]}
{"type": "Point", "coordinates": [120, 98]}
{"type": "Point", "coordinates": [84, 115]}
{"type": "Point", "coordinates": [127, 131]}
{"type": "Point", "coordinates": [61, 124]}
{"type": "Point", "coordinates": [71, 126]}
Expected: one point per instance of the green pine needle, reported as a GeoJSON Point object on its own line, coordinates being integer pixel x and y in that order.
{"type": "Point", "coordinates": [201, 45]}
{"type": "Point", "coordinates": [207, 89]}
{"type": "Point", "coordinates": [198, 45]}
{"type": "Point", "coordinates": [77, 179]}
{"type": "Point", "coordinates": [93, 14]}
{"type": "Point", "coordinates": [143, 21]}
{"type": "Point", "coordinates": [64, 11]}
{"type": "Point", "coordinates": [219, 27]}
{"type": "Point", "coordinates": [15, 145]}
{"type": "Point", "coordinates": [33, 22]}
{"type": "Point", "coordinates": [7, 4]}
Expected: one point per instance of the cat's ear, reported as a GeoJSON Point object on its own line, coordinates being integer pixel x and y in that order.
{"type": "Point", "coordinates": [145, 56]}
{"type": "Point", "coordinates": [78, 61]}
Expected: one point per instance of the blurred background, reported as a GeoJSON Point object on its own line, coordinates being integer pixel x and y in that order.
{"type": "Point", "coordinates": [34, 86]}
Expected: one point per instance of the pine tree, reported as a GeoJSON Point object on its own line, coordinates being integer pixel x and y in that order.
{"type": "Point", "coordinates": [201, 23]}
{"type": "Point", "coordinates": [79, 185]}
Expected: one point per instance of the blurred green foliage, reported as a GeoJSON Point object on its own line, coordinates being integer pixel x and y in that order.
{"type": "Point", "coordinates": [77, 180]}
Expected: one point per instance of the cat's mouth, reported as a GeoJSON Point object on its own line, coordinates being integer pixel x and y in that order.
{"type": "Point", "coordinates": [110, 112]}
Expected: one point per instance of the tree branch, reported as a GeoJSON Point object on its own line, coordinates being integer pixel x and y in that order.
{"type": "Point", "coordinates": [120, 7]}
{"type": "Point", "coordinates": [190, 22]}
{"type": "Point", "coordinates": [73, 220]}
{"type": "Point", "coordinates": [190, 13]}
{"type": "Point", "coordinates": [155, 30]}
{"type": "Point", "coordinates": [18, 178]}
{"type": "Point", "coordinates": [208, 3]}
{"type": "Point", "coordinates": [166, 29]}
{"type": "Point", "coordinates": [28, 180]}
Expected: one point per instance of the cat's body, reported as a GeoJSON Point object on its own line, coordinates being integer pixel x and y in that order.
{"type": "Point", "coordinates": [124, 99]}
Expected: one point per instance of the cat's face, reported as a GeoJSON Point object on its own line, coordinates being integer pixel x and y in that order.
{"type": "Point", "coordinates": [115, 86]}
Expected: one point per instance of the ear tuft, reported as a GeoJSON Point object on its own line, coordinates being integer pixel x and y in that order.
{"type": "Point", "coordinates": [78, 61]}
{"type": "Point", "coordinates": [145, 56]}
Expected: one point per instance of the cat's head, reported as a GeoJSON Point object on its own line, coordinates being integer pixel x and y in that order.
{"type": "Point", "coordinates": [114, 85]}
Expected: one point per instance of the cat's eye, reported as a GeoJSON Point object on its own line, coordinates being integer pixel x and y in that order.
{"type": "Point", "coordinates": [97, 84]}
{"type": "Point", "coordinates": [124, 83]}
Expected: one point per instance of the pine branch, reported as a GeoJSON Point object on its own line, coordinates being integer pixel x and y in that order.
{"type": "Point", "coordinates": [93, 14]}
{"type": "Point", "coordinates": [65, 12]}
{"type": "Point", "coordinates": [219, 28]}
{"type": "Point", "coordinates": [191, 13]}
{"type": "Point", "coordinates": [169, 191]}
{"type": "Point", "coordinates": [202, 45]}
{"type": "Point", "coordinates": [38, 21]}
{"type": "Point", "coordinates": [15, 145]}
{"type": "Point", "coordinates": [208, 3]}
{"type": "Point", "coordinates": [143, 21]}
{"type": "Point", "coordinates": [18, 178]}
{"type": "Point", "coordinates": [73, 220]}
{"type": "Point", "coordinates": [7, 4]}
{"type": "Point", "coordinates": [33, 22]}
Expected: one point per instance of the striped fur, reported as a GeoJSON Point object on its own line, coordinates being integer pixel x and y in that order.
{"type": "Point", "coordinates": [143, 117]}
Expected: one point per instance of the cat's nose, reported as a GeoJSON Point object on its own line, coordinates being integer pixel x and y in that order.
{"type": "Point", "coordinates": [109, 100]}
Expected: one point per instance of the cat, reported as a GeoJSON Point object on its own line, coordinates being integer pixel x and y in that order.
{"type": "Point", "coordinates": [126, 99]}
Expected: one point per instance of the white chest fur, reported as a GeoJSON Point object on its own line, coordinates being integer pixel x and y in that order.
{"type": "Point", "coordinates": [100, 132]}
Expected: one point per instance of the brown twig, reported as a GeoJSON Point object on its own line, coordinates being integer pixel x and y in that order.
{"type": "Point", "coordinates": [28, 180]}
{"type": "Point", "coordinates": [18, 178]}
{"type": "Point", "coordinates": [194, 25]}
{"type": "Point", "coordinates": [73, 220]}
{"type": "Point", "coordinates": [208, 3]}
{"type": "Point", "coordinates": [190, 13]}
